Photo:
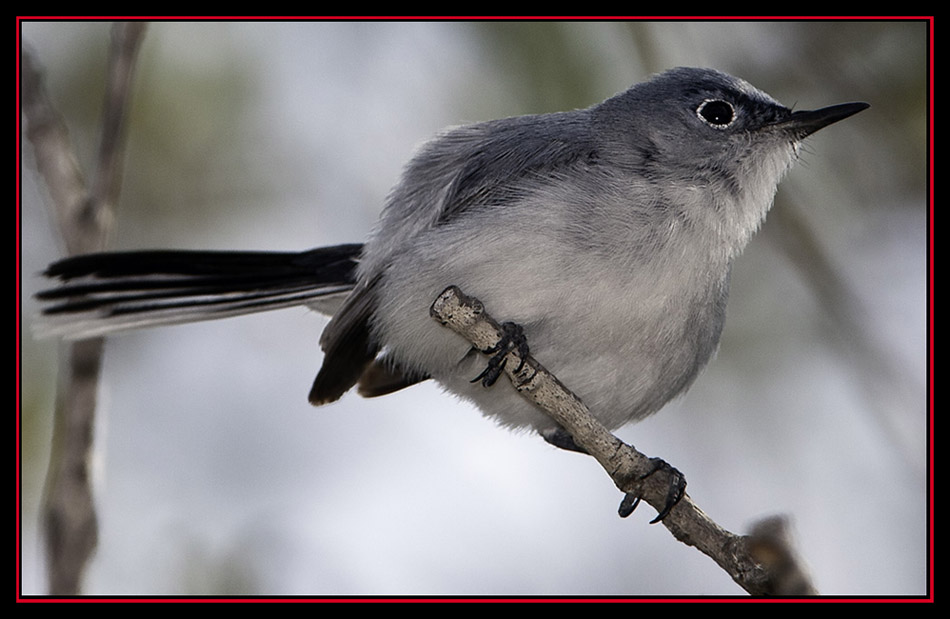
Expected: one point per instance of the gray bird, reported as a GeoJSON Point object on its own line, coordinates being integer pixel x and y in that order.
{"type": "Point", "coordinates": [606, 234]}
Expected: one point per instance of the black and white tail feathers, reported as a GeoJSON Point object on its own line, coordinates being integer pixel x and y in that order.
{"type": "Point", "coordinates": [108, 292]}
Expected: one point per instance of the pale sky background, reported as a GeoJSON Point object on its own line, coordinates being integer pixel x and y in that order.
{"type": "Point", "coordinates": [215, 476]}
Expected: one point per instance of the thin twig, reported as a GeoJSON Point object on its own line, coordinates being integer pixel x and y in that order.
{"type": "Point", "coordinates": [84, 219]}
{"type": "Point", "coordinates": [760, 563]}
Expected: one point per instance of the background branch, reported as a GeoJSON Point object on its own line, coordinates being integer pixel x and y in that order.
{"type": "Point", "coordinates": [84, 216]}
{"type": "Point", "coordinates": [763, 563]}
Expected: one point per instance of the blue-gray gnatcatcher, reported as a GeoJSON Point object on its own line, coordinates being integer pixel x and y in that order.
{"type": "Point", "coordinates": [607, 234]}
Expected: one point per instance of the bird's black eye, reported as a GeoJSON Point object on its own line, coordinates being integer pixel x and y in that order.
{"type": "Point", "coordinates": [716, 113]}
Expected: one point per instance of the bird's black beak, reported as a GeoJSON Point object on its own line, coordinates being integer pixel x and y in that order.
{"type": "Point", "coordinates": [806, 122]}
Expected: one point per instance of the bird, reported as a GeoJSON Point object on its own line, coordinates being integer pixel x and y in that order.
{"type": "Point", "coordinates": [604, 236]}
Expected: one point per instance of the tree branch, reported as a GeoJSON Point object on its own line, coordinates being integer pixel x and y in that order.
{"type": "Point", "coordinates": [84, 219]}
{"type": "Point", "coordinates": [762, 563]}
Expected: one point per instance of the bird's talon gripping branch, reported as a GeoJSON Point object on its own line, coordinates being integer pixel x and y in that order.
{"type": "Point", "coordinates": [675, 491]}
{"type": "Point", "coordinates": [513, 339]}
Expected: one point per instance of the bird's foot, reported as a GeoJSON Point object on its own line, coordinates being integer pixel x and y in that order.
{"type": "Point", "coordinates": [513, 339]}
{"type": "Point", "coordinates": [675, 492]}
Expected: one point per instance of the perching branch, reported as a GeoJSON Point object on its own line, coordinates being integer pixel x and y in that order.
{"type": "Point", "coordinates": [762, 563]}
{"type": "Point", "coordinates": [84, 215]}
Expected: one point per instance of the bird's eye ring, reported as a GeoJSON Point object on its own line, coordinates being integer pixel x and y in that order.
{"type": "Point", "coordinates": [716, 113]}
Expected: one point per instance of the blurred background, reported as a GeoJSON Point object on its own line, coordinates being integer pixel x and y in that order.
{"type": "Point", "coordinates": [213, 475]}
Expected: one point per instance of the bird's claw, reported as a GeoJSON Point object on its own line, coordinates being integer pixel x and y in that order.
{"type": "Point", "coordinates": [513, 339]}
{"type": "Point", "coordinates": [675, 491]}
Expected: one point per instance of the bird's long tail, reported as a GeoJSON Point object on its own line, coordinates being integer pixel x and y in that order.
{"type": "Point", "coordinates": [97, 294]}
